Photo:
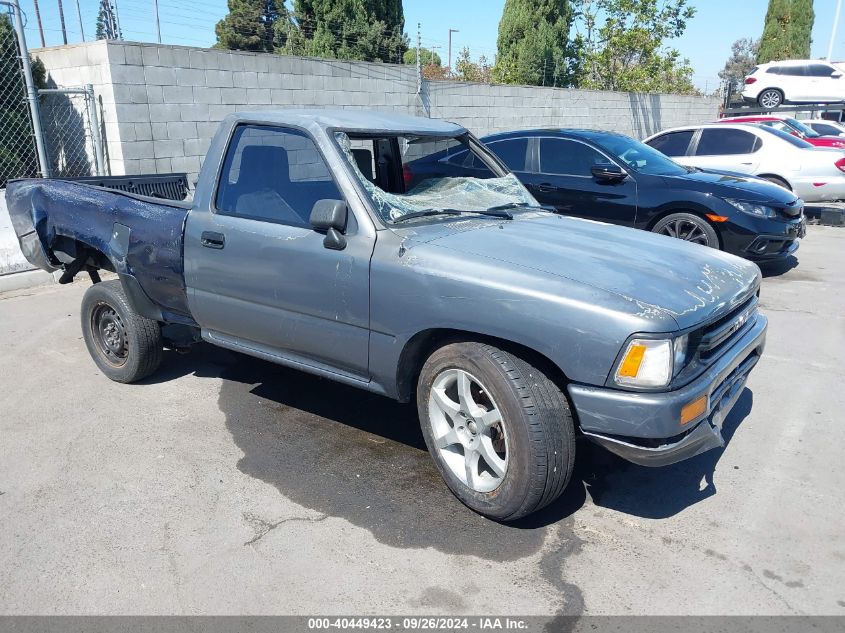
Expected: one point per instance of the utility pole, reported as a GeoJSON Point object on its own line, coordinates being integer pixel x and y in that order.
{"type": "Point", "coordinates": [419, 67]}
{"type": "Point", "coordinates": [38, 19]}
{"type": "Point", "coordinates": [119, 35]}
{"type": "Point", "coordinates": [833, 32]}
{"type": "Point", "coordinates": [79, 15]}
{"type": "Point", "coordinates": [62, 20]}
{"type": "Point", "coordinates": [450, 49]}
{"type": "Point", "coordinates": [158, 24]}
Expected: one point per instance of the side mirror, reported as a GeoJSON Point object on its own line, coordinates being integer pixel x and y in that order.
{"type": "Point", "coordinates": [330, 216]}
{"type": "Point", "coordinates": [608, 171]}
{"type": "Point", "coordinates": [836, 75]}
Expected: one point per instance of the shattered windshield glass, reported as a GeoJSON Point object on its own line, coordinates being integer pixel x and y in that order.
{"type": "Point", "coordinates": [414, 176]}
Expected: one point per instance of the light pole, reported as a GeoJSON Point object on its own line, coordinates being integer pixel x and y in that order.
{"type": "Point", "coordinates": [833, 32]}
{"type": "Point", "coordinates": [450, 48]}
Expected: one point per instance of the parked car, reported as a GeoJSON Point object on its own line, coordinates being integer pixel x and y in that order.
{"type": "Point", "coordinates": [510, 326]}
{"type": "Point", "coordinates": [813, 173]}
{"type": "Point", "coordinates": [794, 81]}
{"type": "Point", "coordinates": [790, 126]}
{"type": "Point", "coordinates": [614, 178]}
{"type": "Point", "coordinates": [825, 127]}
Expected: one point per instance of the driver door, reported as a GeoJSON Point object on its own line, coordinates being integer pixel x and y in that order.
{"type": "Point", "coordinates": [258, 275]}
{"type": "Point", "coordinates": [563, 179]}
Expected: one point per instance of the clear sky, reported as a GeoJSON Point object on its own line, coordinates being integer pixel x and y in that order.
{"type": "Point", "coordinates": [706, 42]}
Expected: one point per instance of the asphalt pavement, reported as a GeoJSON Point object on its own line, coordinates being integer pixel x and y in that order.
{"type": "Point", "coordinates": [227, 485]}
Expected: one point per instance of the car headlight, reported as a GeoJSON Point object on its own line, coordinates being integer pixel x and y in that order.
{"type": "Point", "coordinates": [752, 208]}
{"type": "Point", "coordinates": [651, 362]}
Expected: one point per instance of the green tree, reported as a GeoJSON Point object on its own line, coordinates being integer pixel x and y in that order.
{"type": "Point", "coordinates": [369, 30]}
{"type": "Point", "coordinates": [427, 57]}
{"type": "Point", "coordinates": [621, 46]}
{"type": "Point", "coordinates": [18, 158]}
{"type": "Point", "coordinates": [533, 40]}
{"type": "Point", "coordinates": [253, 25]}
{"type": "Point", "coordinates": [468, 70]}
{"type": "Point", "coordinates": [743, 58]}
{"type": "Point", "coordinates": [787, 31]}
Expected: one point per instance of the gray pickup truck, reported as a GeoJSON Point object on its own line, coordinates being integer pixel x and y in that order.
{"type": "Point", "coordinates": [372, 249]}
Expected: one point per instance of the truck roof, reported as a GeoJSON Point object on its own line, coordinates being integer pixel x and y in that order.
{"type": "Point", "coordinates": [351, 120]}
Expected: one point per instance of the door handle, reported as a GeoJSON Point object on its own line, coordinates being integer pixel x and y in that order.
{"type": "Point", "coordinates": [546, 187]}
{"type": "Point", "coordinates": [212, 239]}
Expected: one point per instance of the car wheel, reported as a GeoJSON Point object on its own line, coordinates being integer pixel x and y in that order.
{"type": "Point", "coordinates": [770, 98]}
{"type": "Point", "coordinates": [500, 431]}
{"type": "Point", "coordinates": [125, 346]}
{"type": "Point", "coordinates": [688, 227]}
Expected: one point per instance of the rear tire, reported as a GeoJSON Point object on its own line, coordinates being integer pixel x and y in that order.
{"type": "Point", "coordinates": [688, 227]}
{"type": "Point", "coordinates": [500, 431]}
{"type": "Point", "coordinates": [124, 345]}
{"type": "Point", "coordinates": [770, 98]}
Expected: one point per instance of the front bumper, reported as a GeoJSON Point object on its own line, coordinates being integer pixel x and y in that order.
{"type": "Point", "coordinates": [645, 428]}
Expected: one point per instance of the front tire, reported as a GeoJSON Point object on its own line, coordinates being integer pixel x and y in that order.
{"type": "Point", "coordinates": [688, 227]}
{"type": "Point", "coordinates": [770, 98]}
{"type": "Point", "coordinates": [500, 431]}
{"type": "Point", "coordinates": [124, 345]}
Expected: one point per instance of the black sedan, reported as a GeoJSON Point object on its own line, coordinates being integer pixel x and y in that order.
{"type": "Point", "coordinates": [613, 178]}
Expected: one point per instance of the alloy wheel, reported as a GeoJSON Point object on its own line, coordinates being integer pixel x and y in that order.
{"type": "Point", "coordinates": [468, 429]}
{"type": "Point", "coordinates": [686, 230]}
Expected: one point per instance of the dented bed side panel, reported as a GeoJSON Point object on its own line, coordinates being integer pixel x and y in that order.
{"type": "Point", "coordinates": [140, 237]}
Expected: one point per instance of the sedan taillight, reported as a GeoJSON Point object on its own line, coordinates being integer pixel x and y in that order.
{"type": "Point", "coordinates": [750, 80]}
{"type": "Point", "coordinates": [840, 164]}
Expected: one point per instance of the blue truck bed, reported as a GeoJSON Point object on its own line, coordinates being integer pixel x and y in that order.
{"type": "Point", "coordinates": [139, 238]}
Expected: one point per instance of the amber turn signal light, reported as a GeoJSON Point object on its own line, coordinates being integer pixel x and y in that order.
{"type": "Point", "coordinates": [693, 409]}
{"type": "Point", "coordinates": [716, 218]}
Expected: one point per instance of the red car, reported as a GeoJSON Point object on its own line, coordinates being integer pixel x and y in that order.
{"type": "Point", "coordinates": [792, 126]}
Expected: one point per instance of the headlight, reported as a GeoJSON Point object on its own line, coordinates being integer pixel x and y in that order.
{"type": "Point", "coordinates": [752, 208]}
{"type": "Point", "coordinates": [646, 363]}
{"type": "Point", "coordinates": [652, 362]}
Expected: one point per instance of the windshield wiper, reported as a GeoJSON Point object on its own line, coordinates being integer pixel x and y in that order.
{"type": "Point", "coordinates": [519, 205]}
{"type": "Point", "coordinates": [426, 213]}
{"type": "Point", "coordinates": [496, 212]}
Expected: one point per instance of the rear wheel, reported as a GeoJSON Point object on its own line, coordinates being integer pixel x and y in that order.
{"type": "Point", "coordinates": [688, 227]}
{"type": "Point", "coordinates": [125, 346]}
{"type": "Point", "coordinates": [499, 430]}
{"type": "Point", "coordinates": [770, 98]}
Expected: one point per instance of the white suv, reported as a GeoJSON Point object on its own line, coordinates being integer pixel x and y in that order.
{"type": "Point", "coordinates": [796, 80]}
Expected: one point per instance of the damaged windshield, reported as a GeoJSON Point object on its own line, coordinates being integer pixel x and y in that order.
{"type": "Point", "coordinates": [411, 176]}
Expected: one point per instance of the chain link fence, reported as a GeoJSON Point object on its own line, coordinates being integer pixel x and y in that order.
{"type": "Point", "coordinates": [69, 127]}
{"type": "Point", "coordinates": [18, 152]}
{"type": "Point", "coordinates": [51, 132]}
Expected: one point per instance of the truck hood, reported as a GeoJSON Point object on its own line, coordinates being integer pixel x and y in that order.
{"type": "Point", "coordinates": [689, 282]}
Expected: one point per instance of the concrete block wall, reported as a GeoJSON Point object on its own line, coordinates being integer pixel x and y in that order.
{"type": "Point", "coordinates": [161, 104]}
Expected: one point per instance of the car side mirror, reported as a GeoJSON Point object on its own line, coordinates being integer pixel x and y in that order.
{"type": "Point", "coordinates": [608, 171]}
{"type": "Point", "coordinates": [330, 216]}
{"type": "Point", "coordinates": [836, 75]}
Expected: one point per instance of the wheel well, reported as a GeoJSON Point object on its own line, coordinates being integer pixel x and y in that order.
{"type": "Point", "coordinates": [418, 349]}
{"type": "Point", "coordinates": [778, 178]}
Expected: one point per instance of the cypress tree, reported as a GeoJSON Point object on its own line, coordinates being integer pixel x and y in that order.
{"type": "Point", "coordinates": [533, 42]}
{"type": "Point", "coordinates": [251, 25]}
{"type": "Point", "coordinates": [369, 30]}
{"type": "Point", "coordinates": [787, 31]}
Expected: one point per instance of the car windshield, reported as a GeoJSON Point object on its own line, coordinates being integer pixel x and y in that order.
{"type": "Point", "coordinates": [639, 156]}
{"type": "Point", "coordinates": [786, 136]}
{"type": "Point", "coordinates": [804, 129]}
{"type": "Point", "coordinates": [409, 176]}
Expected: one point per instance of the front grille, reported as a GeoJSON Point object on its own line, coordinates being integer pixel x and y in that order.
{"type": "Point", "coordinates": [721, 333]}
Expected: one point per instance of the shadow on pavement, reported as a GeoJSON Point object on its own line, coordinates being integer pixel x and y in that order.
{"type": "Point", "coordinates": [344, 452]}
